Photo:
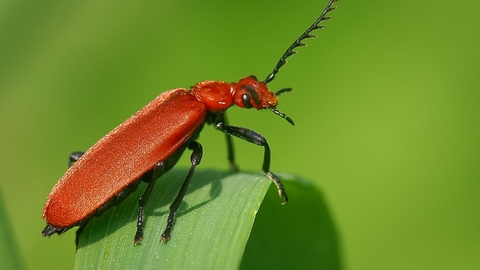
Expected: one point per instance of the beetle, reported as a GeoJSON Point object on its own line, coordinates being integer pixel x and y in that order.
{"type": "Point", "coordinates": [150, 143]}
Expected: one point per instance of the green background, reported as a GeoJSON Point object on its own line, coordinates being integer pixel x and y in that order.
{"type": "Point", "coordinates": [385, 103]}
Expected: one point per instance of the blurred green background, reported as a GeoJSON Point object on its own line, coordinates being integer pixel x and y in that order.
{"type": "Point", "coordinates": [385, 101]}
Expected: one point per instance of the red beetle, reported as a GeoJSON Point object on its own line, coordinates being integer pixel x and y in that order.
{"type": "Point", "coordinates": [149, 143]}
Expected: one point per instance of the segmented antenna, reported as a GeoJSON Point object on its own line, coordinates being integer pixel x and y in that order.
{"type": "Point", "coordinates": [298, 43]}
{"type": "Point", "coordinates": [284, 116]}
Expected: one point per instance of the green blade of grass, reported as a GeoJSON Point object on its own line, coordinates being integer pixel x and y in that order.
{"type": "Point", "coordinates": [211, 230]}
{"type": "Point", "coordinates": [10, 257]}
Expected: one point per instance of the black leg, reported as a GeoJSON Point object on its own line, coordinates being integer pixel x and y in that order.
{"type": "Point", "coordinates": [77, 235]}
{"type": "Point", "coordinates": [74, 157]}
{"type": "Point", "coordinates": [230, 149]}
{"type": "Point", "coordinates": [195, 158]}
{"type": "Point", "coordinates": [231, 153]}
{"type": "Point", "coordinates": [158, 170]}
{"type": "Point", "coordinates": [256, 138]}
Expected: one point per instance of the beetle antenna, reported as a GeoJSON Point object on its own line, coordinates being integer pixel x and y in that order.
{"type": "Point", "coordinates": [283, 90]}
{"type": "Point", "coordinates": [284, 116]}
{"type": "Point", "coordinates": [298, 43]}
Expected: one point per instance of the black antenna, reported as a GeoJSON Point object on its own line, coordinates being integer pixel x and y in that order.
{"type": "Point", "coordinates": [298, 43]}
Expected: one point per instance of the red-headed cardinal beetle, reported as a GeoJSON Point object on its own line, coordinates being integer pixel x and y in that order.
{"type": "Point", "coordinates": [149, 143]}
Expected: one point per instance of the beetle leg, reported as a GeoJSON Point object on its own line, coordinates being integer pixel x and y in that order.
{"type": "Point", "coordinates": [158, 170]}
{"type": "Point", "coordinates": [230, 149]}
{"type": "Point", "coordinates": [195, 158]}
{"type": "Point", "coordinates": [74, 157]}
{"type": "Point", "coordinates": [256, 138]}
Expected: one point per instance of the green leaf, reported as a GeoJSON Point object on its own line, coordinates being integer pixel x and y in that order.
{"type": "Point", "coordinates": [211, 230]}
{"type": "Point", "coordinates": [300, 235]}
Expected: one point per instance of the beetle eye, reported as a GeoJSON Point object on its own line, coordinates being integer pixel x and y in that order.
{"type": "Point", "coordinates": [246, 101]}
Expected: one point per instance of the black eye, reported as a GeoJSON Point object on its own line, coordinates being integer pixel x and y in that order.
{"type": "Point", "coordinates": [252, 95]}
{"type": "Point", "coordinates": [246, 101]}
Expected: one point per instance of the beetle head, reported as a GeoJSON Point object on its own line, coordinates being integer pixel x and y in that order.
{"type": "Point", "coordinates": [251, 93]}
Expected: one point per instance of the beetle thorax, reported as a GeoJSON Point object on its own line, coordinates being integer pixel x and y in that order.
{"type": "Point", "coordinates": [215, 94]}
